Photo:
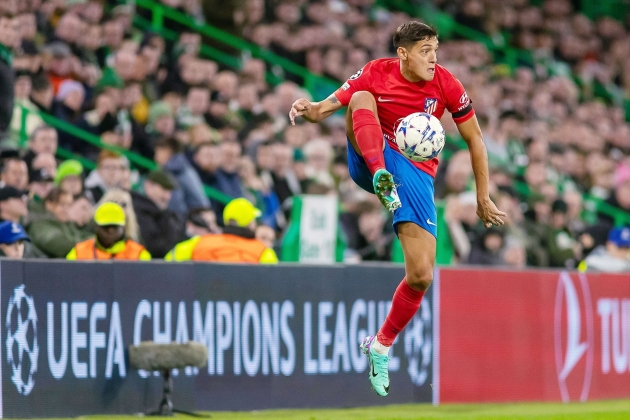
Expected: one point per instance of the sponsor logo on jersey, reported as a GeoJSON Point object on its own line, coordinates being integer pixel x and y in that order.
{"type": "Point", "coordinates": [464, 99]}
{"type": "Point", "coordinates": [429, 105]}
{"type": "Point", "coordinates": [356, 75]}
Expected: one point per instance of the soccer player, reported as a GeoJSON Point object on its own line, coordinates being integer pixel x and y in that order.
{"type": "Point", "coordinates": [377, 96]}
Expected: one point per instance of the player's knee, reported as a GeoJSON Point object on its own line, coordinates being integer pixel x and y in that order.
{"type": "Point", "coordinates": [362, 99]}
{"type": "Point", "coordinates": [420, 278]}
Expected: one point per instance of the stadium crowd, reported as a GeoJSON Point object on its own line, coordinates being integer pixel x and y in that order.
{"type": "Point", "coordinates": [550, 140]}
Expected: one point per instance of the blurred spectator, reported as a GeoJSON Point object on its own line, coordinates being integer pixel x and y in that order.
{"type": "Point", "coordinates": [564, 250]}
{"type": "Point", "coordinates": [110, 241]}
{"type": "Point", "coordinates": [161, 125]}
{"type": "Point", "coordinates": [53, 232]}
{"type": "Point", "coordinates": [206, 160]}
{"type": "Point", "coordinates": [14, 173]}
{"type": "Point", "coordinates": [41, 184]}
{"type": "Point", "coordinates": [68, 107]}
{"type": "Point", "coordinates": [259, 193]}
{"type": "Point", "coordinates": [318, 153]}
{"type": "Point", "coordinates": [69, 177]}
{"type": "Point", "coordinates": [160, 228]}
{"type": "Point", "coordinates": [237, 243]}
{"type": "Point", "coordinates": [614, 257]}
{"type": "Point", "coordinates": [189, 190]}
{"type": "Point", "coordinates": [621, 194]}
{"type": "Point", "coordinates": [373, 244]}
{"type": "Point", "coordinates": [81, 212]}
{"type": "Point", "coordinates": [227, 177]}
{"type": "Point", "coordinates": [13, 204]}
{"type": "Point", "coordinates": [454, 175]}
{"type": "Point", "coordinates": [12, 237]}
{"type": "Point", "coordinates": [489, 248]}
{"type": "Point", "coordinates": [107, 175]}
{"type": "Point", "coordinates": [42, 93]}
{"type": "Point", "coordinates": [42, 140]}
{"type": "Point", "coordinates": [8, 38]}
{"type": "Point", "coordinates": [123, 199]}
{"type": "Point", "coordinates": [266, 235]}
{"type": "Point", "coordinates": [22, 103]}
{"type": "Point", "coordinates": [201, 221]}
{"type": "Point", "coordinates": [462, 221]}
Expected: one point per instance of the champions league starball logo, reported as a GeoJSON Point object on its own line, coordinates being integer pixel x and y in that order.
{"type": "Point", "coordinates": [418, 345]}
{"type": "Point", "coordinates": [21, 344]}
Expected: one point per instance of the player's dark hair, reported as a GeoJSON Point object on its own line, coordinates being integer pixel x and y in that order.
{"type": "Point", "coordinates": [411, 32]}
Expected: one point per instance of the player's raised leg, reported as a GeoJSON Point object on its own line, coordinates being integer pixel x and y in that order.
{"type": "Point", "coordinates": [419, 251]}
{"type": "Point", "coordinates": [366, 137]}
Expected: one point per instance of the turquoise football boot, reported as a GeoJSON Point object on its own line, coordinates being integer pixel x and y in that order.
{"type": "Point", "coordinates": [377, 372]}
{"type": "Point", "coordinates": [385, 189]}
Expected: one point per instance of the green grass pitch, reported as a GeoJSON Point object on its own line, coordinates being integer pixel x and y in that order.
{"type": "Point", "coordinates": [605, 410]}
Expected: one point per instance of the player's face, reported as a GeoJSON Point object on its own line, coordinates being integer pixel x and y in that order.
{"type": "Point", "coordinates": [421, 59]}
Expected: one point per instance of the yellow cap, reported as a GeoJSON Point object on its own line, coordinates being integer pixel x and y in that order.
{"type": "Point", "coordinates": [109, 214]}
{"type": "Point", "coordinates": [240, 211]}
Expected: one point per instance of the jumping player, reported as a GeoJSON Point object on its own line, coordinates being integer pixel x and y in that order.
{"type": "Point", "coordinates": [377, 96]}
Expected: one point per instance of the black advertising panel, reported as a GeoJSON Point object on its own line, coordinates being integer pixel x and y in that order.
{"type": "Point", "coordinates": [277, 336]}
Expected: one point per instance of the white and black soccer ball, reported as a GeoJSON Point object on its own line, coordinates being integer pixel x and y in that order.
{"type": "Point", "coordinates": [420, 136]}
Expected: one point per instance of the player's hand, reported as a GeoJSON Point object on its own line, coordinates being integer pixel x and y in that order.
{"type": "Point", "coordinates": [299, 108]}
{"type": "Point", "coordinates": [489, 213]}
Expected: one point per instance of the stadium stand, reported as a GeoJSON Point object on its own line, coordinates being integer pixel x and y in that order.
{"type": "Point", "coordinates": [549, 83]}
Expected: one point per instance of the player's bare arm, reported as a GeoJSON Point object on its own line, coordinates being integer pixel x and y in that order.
{"type": "Point", "coordinates": [486, 209]}
{"type": "Point", "coordinates": [314, 111]}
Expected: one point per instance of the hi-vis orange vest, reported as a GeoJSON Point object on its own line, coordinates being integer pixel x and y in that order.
{"type": "Point", "coordinates": [228, 248]}
{"type": "Point", "coordinates": [87, 250]}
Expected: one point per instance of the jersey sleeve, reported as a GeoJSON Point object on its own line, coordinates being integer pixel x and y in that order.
{"type": "Point", "coordinates": [457, 101]}
{"type": "Point", "coordinates": [358, 81]}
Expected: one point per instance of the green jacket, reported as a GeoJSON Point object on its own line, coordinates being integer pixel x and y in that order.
{"type": "Point", "coordinates": [55, 238]}
{"type": "Point", "coordinates": [560, 247]}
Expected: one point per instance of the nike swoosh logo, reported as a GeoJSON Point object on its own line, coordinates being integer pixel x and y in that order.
{"type": "Point", "coordinates": [429, 222]}
{"type": "Point", "coordinates": [374, 373]}
{"type": "Point", "coordinates": [380, 99]}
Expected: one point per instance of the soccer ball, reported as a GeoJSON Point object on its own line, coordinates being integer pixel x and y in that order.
{"type": "Point", "coordinates": [420, 136]}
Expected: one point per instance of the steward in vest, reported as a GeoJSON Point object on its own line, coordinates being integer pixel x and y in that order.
{"type": "Point", "coordinates": [109, 242]}
{"type": "Point", "coordinates": [237, 243]}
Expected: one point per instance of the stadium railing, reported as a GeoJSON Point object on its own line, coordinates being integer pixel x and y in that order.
{"type": "Point", "coordinates": [159, 12]}
{"type": "Point", "coordinates": [137, 160]}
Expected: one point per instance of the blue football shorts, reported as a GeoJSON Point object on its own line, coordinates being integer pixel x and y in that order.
{"type": "Point", "coordinates": [415, 187]}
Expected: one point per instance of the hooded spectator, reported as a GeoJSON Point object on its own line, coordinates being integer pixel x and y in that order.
{"type": "Point", "coordinates": [160, 228]}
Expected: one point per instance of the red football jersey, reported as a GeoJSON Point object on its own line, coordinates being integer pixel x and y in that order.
{"type": "Point", "coordinates": [396, 97]}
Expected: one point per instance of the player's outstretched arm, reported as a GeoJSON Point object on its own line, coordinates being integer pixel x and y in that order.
{"type": "Point", "coordinates": [314, 111]}
{"type": "Point", "coordinates": [486, 209]}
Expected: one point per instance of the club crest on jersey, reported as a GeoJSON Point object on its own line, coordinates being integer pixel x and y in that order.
{"type": "Point", "coordinates": [429, 105]}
